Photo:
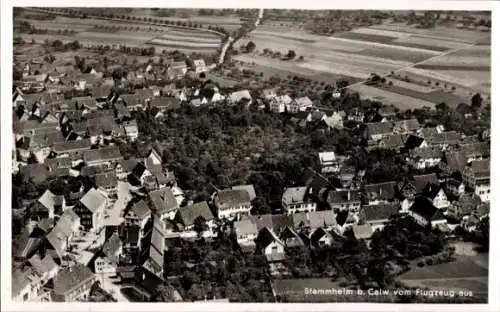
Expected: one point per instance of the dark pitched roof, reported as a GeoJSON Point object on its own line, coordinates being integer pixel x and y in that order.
{"type": "Point", "coordinates": [315, 181]}
{"type": "Point", "coordinates": [266, 236]}
{"type": "Point", "coordinates": [105, 154]}
{"type": "Point", "coordinates": [317, 235]}
{"type": "Point", "coordinates": [374, 128]}
{"type": "Point", "coordinates": [426, 153]}
{"type": "Point", "coordinates": [385, 190]}
{"type": "Point", "coordinates": [163, 200]}
{"type": "Point", "coordinates": [164, 102]}
{"type": "Point", "coordinates": [447, 137]}
{"type": "Point", "coordinates": [378, 212]}
{"type": "Point", "coordinates": [431, 191]}
{"type": "Point", "coordinates": [112, 246]}
{"type": "Point", "coordinates": [421, 181]}
{"type": "Point", "coordinates": [141, 209]}
{"type": "Point", "coordinates": [128, 165]}
{"type": "Point", "coordinates": [476, 149]}
{"type": "Point", "coordinates": [190, 213]}
{"type": "Point", "coordinates": [426, 209]}
{"type": "Point", "coordinates": [413, 141]}
{"type": "Point", "coordinates": [392, 142]}
{"type": "Point", "coordinates": [406, 125]}
{"type": "Point", "coordinates": [455, 160]}
{"type": "Point", "coordinates": [467, 203]}
{"type": "Point", "coordinates": [290, 237]}
{"type": "Point", "coordinates": [480, 166]}
{"type": "Point", "coordinates": [343, 196]}
{"type": "Point", "coordinates": [106, 179]}
{"type": "Point", "coordinates": [229, 198]}
{"type": "Point", "coordinates": [69, 278]}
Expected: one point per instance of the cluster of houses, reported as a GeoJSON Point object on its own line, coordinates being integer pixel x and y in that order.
{"type": "Point", "coordinates": [56, 137]}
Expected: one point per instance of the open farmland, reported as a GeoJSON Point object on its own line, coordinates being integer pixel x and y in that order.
{"type": "Point", "coordinates": [400, 101]}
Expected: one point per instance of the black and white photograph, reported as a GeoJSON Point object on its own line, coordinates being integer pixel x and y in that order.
{"type": "Point", "coordinates": [248, 155]}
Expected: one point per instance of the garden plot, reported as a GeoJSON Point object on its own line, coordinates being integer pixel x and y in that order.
{"type": "Point", "coordinates": [430, 43]}
{"type": "Point", "coordinates": [381, 32]}
{"type": "Point", "coordinates": [175, 43]}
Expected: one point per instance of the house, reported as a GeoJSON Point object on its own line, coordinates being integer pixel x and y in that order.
{"type": "Point", "coordinates": [482, 189]}
{"type": "Point", "coordinates": [407, 126]}
{"type": "Point", "coordinates": [278, 104]}
{"type": "Point", "coordinates": [392, 142]}
{"type": "Point", "coordinates": [199, 66]}
{"type": "Point", "coordinates": [443, 139]}
{"type": "Point", "coordinates": [59, 238]}
{"type": "Point", "coordinates": [91, 210]}
{"type": "Point", "coordinates": [346, 176]}
{"type": "Point", "coordinates": [107, 184]}
{"type": "Point", "coordinates": [420, 182]}
{"type": "Point", "coordinates": [275, 222]}
{"type": "Point", "coordinates": [177, 69]}
{"type": "Point", "coordinates": [328, 162]}
{"type": "Point", "coordinates": [476, 171]}
{"type": "Point", "coordinates": [326, 219]}
{"type": "Point", "coordinates": [124, 168]}
{"type": "Point", "coordinates": [156, 259]}
{"type": "Point", "coordinates": [240, 96]}
{"type": "Point", "coordinates": [71, 148]}
{"type": "Point", "coordinates": [232, 204]}
{"type": "Point", "coordinates": [362, 232]}
{"type": "Point", "coordinates": [453, 162]}
{"type": "Point", "coordinates": [131, 130]}
{"type": "Point", "coordinates": [425, 213]}
{"type": "Point", "coordinates": [475, 151]}
{"type": "Point", "coordinates": [109, 258]}
{"type": "Point", "coordinates": [246, 232]}
{"type": "Point", "coordinates": [425, 157]}
{"type": "Point", "coordinates": [47, 206]}
{"type": "Point", "coordinates": [85, 102]}
{"type": "Point", "coordinates": [26, 285]}
{"type": "Point", "coordinates": [379, 193]}
{"type": "Point", "coordinates": [269, 94]}
{"type": "Point", "coordinates": [187, 216]}
{"type": "Point", "coordinates": [73, 283]}
{"type": "Point", "coordinates": [466, 205]}
{"type": "Point", "coordinates": [44, 267]}
{"type": "Point", "coordinates": [164, 204]}
{"type": "Point", "coordinates": [321, 238]}
{"type": "Point", "coordinates": [376, 131]}
{"type": "Point", "coordinates": [103, 156]}
{"type": "Point", "coordinates": [297, 199]}
{"type": "Point", "coordinates": [356, 115]}
{"type": "Point", "coordinates": [134, 102]}
{"type": "Point", "coordinates": [301, 221]}
{"type": "Point", "coordinates": [138, 214]}
{"type": "Point", "coordinates": [345, 200]}
{"type": "Point", "coordinates": [299, 105]}
{"type": "Point", "coordinates": [454, 187]}
{"type": "Point", "coordinates": [377, 215]}
{"type": "Point", "coordinates": [290, 237]}
{"type": "Point", "coordinates": [334, 120]}
{"type": "Point", "coordinates": [268, 244]}
{"type": "Point", "coordinates": [165, 103]}
{"type": "Point", "coordinates": [436, 194]}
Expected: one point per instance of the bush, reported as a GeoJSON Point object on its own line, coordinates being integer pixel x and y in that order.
{"type": "Point", "coordinates": [420, 264]}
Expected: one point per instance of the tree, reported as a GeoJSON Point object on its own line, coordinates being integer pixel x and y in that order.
{"type": "Point", "coordinates": [200, 226]}
{"type": "Point", "coordinates": [164, 293]}
{"type": "Point", "coordinates": [259, 206]}
{"type": "Point", "coordinates": [476, 101]}
{"type": "Point", "coordinates": [250, 47]}
{"type": "Point", "coordinates": [291, 54]}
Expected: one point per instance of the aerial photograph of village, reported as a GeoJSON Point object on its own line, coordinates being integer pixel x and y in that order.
{"type": "Point", "coordinates": [250, 155]}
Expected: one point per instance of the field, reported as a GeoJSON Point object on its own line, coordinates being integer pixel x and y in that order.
{"type": "Point", "coordinates": [464, 274]}
{"type": "Point", "coordinates": [446, 57]}
{"type": "Point", "coordinates": [93, 31]}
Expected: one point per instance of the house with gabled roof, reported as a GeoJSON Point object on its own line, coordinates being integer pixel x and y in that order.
{"type": "Point", "coordinates": [437, 195]}
{"type": "Point", "coordinates": [90, 209]}
{"type": "Point", "coordinates": [376, 131]}
{"type": "Point", "coordinates": [26, 285]}
{"type": "Point", "coordinates": [476, 171]}
{"type": "Point", "coordinates": [443, 139]}
{"type": "Point", "coordinates": [321, 238]}
{"type": "Point", "coordinates": [269, 245]}
{"type": "Point", "coordinates": [415, 142]}
{"type": "Point", "coordinates": [47, 206]}
{"type": "Point", "coordinates": [297, 199]}
{"type": "Point", "coordinates": [329, 162]}
{"type": "Point", "coordinates": [231, 204]}
{"type": "Point", "coordinates": [103, 156]}
{"type": "Point", "coordinates": [125, 167]}
{"type": "Point", "coordinates": [107, 184]}
{"type": "Point", "coordinates": [155, 261]}
{"type": "Point", "coordinates": [393, 142]}
{"type": "Point", "coordinates": [290, 237]}
{"type": "Point", "coordinates": [73, 283]}
{"type": "Point", "coordinates": [467, 204]}
{"type": "Point", "coordinates": [344, 200]}
{"type": "Point", "coordinates": [138, 214]}
{"type": "Point", "coordinates": [377, 215]}
{"type": "Point", "coordinates": [425, 213]}
{"type": "Point", "coordinates": [406, 126]}
{"type": "Point", "coordinates": [246, 232]}
{"type": "Point", "coordinates": [164, 203]}
{"type": "Point", "coordinates": [59, 238]}
{"type": "Point", "coordinates": [45, 267]}
{"type": "Point", "coordinates": [453, 162]}
{"type": "Point", "coordinates": [187, 215]}
{"type": "Point", "coordinates": [326, 219]}
{"type": "Point", "coordinates": [377, 193]}
{"type": "Point", "coordinates": [425, 157]}
{"type": "Point", "coordinates": [278, 104]}
{"type": "Point", "coordinates": [108, 257]}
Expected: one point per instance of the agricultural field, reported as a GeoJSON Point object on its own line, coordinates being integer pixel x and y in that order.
{"type": "Point", "coordinates": [92, 31]}
{"type": "Point", "coordinates": [446, 60]}
{"type": "Point", "coordinates": [463, 274]}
